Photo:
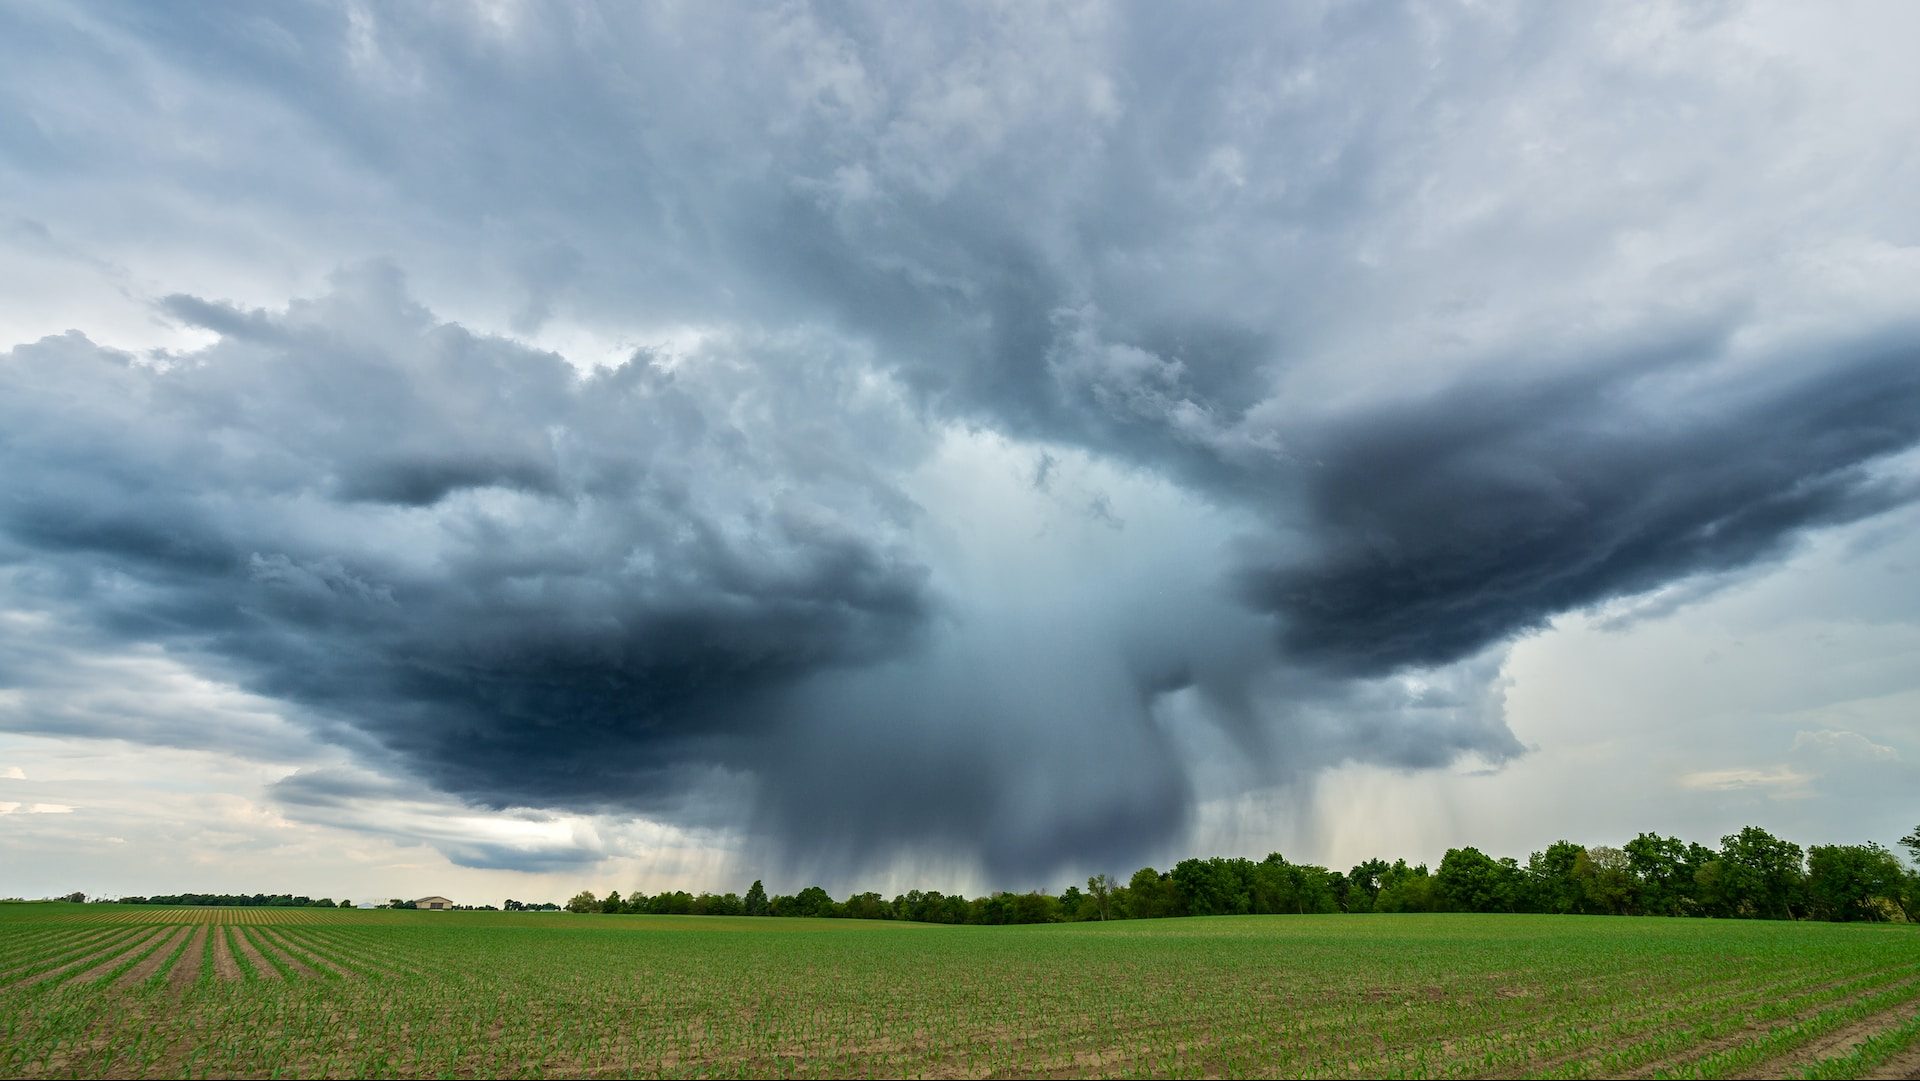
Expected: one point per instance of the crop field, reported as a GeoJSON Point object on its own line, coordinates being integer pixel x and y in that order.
{"type": "Point", "coordinates": [103, 990]}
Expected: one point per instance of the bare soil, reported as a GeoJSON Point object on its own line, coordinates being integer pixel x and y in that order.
{"type": "Point", "coordinates": [1749, 1034]}
{"type": "Point", "coordinates": [139, 973]}
{"type": "Point", "coordinates": [252, 953]}
{"type": "Point", "coordinates": [291, 948]}
{"type": "Point", "coordinates": [112, 954]}
{"type": "Point", "coordinates": [1834, 1044]}
{"type": "Point", "coordinates": [187, 970]}
{"type": "Point", "coordinates": [268, 943]}
{"type": "Point", "coordinates": [224, 966]}
{"type": "Point", "coordinates": [1904, 1066]}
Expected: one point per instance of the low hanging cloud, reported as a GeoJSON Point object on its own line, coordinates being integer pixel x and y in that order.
{"type": "Point", "coordinates": [500, 569]}
{"type": "Point", "coordinates": [1038, 448]}
{"type": "Point", "coordinates": [1447, 523]}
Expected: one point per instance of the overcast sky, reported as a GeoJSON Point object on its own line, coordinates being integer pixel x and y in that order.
{"type": "Point", "coordinates": [496, 449]}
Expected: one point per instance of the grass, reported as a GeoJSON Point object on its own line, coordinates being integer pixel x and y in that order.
{"type": "Point", "coordinates": [422, 994]}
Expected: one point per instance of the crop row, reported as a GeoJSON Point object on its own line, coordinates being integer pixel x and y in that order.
{"type": "Point", "coordinates": [482, 995]}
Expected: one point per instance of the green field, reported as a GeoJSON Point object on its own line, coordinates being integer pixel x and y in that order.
{"type": "Point", "coordinates": [108, 990]}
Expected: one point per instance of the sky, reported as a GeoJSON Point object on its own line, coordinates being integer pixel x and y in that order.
{"type": "Point", "coordinates": [497, 449]}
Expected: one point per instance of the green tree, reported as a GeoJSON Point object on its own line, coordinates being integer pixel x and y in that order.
{"type": "Point", "coordinates": [1215, 887]}
{"type": "Point", "coordinates": [584, 901]}
{"type": "Point", "coordinates": [1606, 883]}
{"type": "Point", "coordinates": [1075, 906]}
{"type": "Point", "coordinates": [1662, 874]}
{"type": "Point", "coordinates": [1100, 888]}
{"type": "Point", "coordinates": [1406, 889]}
{"type": "Point", "coordinates": [1851, 883]}
{"type": "Point", "coordinates": [813, 901]}
{"type": "Point", "coordinates": [1363, 885]}
{"type": "Point", "coordinates": [1763, 875]}
{"type": "Point", "coordinates": [867, 906]}
{"type": "Point", "coordinates": [1551, 886]}
{"type": "Point", "coordinates": [756, 902]}
{"type": "Point", "coordinates": [1469, 880]}
{"type": "Point", "coordinates": [1150, 895]}
{"type": "Point", "coordinates": [1911, 842]}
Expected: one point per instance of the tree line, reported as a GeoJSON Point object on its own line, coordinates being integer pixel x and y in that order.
{"type": "Point", "coordinates": [1751, 875]}
{"type": "Point", "coordinates": [223, 900]}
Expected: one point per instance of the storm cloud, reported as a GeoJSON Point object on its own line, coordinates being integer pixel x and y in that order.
{"type": "Point", "coordinates": [535, 586]}
{"type": "Point", "coordinates": [966, 439]}
{"type": "Point", "coordinates": [1446, 524]}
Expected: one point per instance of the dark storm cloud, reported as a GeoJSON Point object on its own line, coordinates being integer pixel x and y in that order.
{"type": "Point", "coordinates": [1445, 524]}
{"type": "Point", "coordinates": [1294, 265]}
{"type": "Point", "coordinates": [534, 586]}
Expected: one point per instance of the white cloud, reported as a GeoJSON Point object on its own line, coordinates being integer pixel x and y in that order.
{"type": "Point", "coordinates": [1840, 744]}
{"type": "Point", "coordinates": [1777, 780]}
{"type": "Point", "coordinates": [10, 807]}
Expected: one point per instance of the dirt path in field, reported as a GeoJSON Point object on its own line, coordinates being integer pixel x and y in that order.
{"type": "Point", "coordinates": [84, 940]}
{"type": "Point", "coordinates": [136, 975]}
{"type": "Point", "coordinates": [1754, 1032]}
{"type": "Point", "coordinates": [251, 952]}
{"type": "Point", "coordinates": [119, 948]}
{"type": "Point", "coordinates": [267, 942]}
{"type": "Point", "coordinates": [294, 951]}
{"type": "Point", "coordinates": [140, 942]}
{"type": "Point", "coordinates": [1904, 1066]}
{"type": "Point", "coordinates": [1839, 1042]}
{"type": "Point", "coordinates": [187, 969]}
{"type": "Point", "coordinates": [363, 955]}
{"type": "Point", "coordinates": [225, 967]}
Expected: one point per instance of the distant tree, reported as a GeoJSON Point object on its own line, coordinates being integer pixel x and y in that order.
{"type": "Point", "coordinates": [1551, 886]}
{"type": "Point", "coordinates": [1606, 883]}
{"type": "Point", "coordinates": [584, 901]}
{"type": "Point", "coordinates": [1151, 895]}
{"type": "Point", "coordinates": [1850, 883]}
{"type": "Point", "coordinates": [1406, 889]}
{"type": "Point", "coordinates": [867, 906]}
{"type": "Point", "coordinates": [1032, 907]}
{"type": "Point", "coordinates": [75, 897]}
{"type": "Point", "coordinates": [1073, 903]}
{"type": "Point", "coordinates": [813, 901]}
{"type": "Point", "coordinates": [1214, 887]}
{"type": "Point", "coordinates": [1100, 888]}
{"type": "Point", "coordinates": [1469, 880]}
{"type": "Point", "coordinates": [1763, 876]}
{"type": "Point", "coordinates": [756, 902]}
{"type": "Point", "coordinates": [1662, 875]}
{"type": "Point", "coordinates": [1363, 885]}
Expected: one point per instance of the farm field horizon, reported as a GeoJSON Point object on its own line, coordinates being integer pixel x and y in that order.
{"type": "Point", "coordinates": [144, 991]}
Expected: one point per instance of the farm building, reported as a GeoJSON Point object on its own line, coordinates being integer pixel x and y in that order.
{"type": "Point", "coordinates": [435, 903]}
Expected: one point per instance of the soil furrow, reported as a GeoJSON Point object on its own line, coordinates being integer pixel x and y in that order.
{"type": "Point", "coordinates": [134, 976]}
{"type": "Point", "coordinates": [264, 941]}
{"type": "Point", "coordinates": [104, 962]}
{"type": "Point", "coordinates": [261, 966]}
{"type": "Point", "coordinates": [187, 969]}
{"type": "Point", "coordinates": [293, 949]}
{"type": "Point", "coordinates": [225, 968]}
{"type": "Point", "coordinates": [116, 947]}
